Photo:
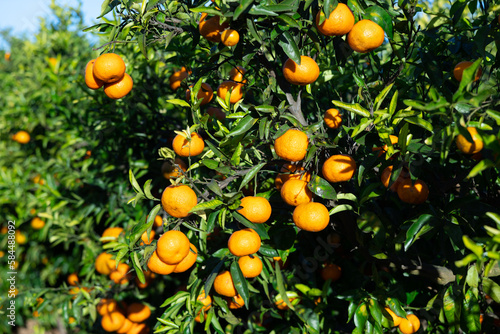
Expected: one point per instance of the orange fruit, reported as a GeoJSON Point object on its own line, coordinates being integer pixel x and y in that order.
{"type": "Point", "coordinates": [413, 193]}
{"type": "Point", "coordinates": [250, 265]}
{"type": "Point", "coordinates": [383, 149]}
{"type": "Point", "coordinates": [118, 89]}
{"type": "Point", "coordinates": [365, 36]}
{"type": "Point", "coordinates": [127, 325]}
{"type": "Point", "coordinates": [145, 239]}
{"type": "Point", "coordinates": [109, 67]}
{"type": "Point", "coordinates": [235, 302]}
{"type": "Point", "coordinates": [90, 80]}
{"type": "Point", "coordinates": [22, 137]}
{"type": "Point", "coordinates": [224, 284]}
{"type": "Point", "coordinates": [255, 209]}
{"type": "Point", "coordinates": [289, 171]}
{"type": "Point", "coordinates": [339, 168]}
{"type": "Point", "coordinates": [158, 221]}
{"type": "Point", "coordinates": [53, 61]}
{"type": "Point", "coordinates": [111, 233]}
{"type": "Point", "coordinates": [111, 322]}
{"type": "Point", "coordinates": [211, 29]}
{"type": "Point", "coordinates": [237, 73]}
{"type": "Point", "coordinates": [188, 147]}
{"type": "Point", "coordinates": [71, 320]}
{"type": "Point", "coordinates": [386, 178]}
{"type": "Point", "coordinates": [280, 303]}
{"type": "Point", "coordinates": [102, 263]}
{"type": "Point", "coordinates": [107, 305]}
{"type": "Point", "coordinates": [38, 179]}
{"type": "Point", "coordinates": [409, 325]}
{"type": "Point", "coordinates": [244, 242]}
{"type": "Point", "coordinates": [173, 170]}
{"type": "Point", "coordinates": [206, 300]}
{"type": "Point", "coordinates": [340, 21]}
{"type": "Point", "coordinates": [331, 272]}
{"type": "Point", "coordinates": [138, 329]}
{"type": "Point", "coordinates": [295, 192]}
{"type": "Point", "coordinates": [177, 201]}
{"type": "Point", "coordinates": [138, 312]}
{"type": "Point", "coordinates": [205, 94]}
{"type": "Point", "coordinates": [230, 37]}
{"type": "Point", "coordinates": [235, 88]}
{"type": "Point", "coordinates": [37, 223]}
{"type": "Point", "coordinates": [188, 261]}
{"type": "Point", "coordinates": [304, 74]}
{"type": "Point", "coordinates": [467, 147]}
{"type": "Point", "coordinates": [217, 113]}
{"type": "Point", "coordinates": [119, 275]}
{"type": "Point", "coordinates": [395, 319]}
{"type": "Point", "coordinates": [7, 56]}
{"type": "Point", "coordinates": [157, 266]}
{"type": "Point", "coordinates": [172, 247]}
{"type": "Point", "coordinates": [292, 145]}
{"type": "Point", "coordinates": [312, 216]}
{"type": "Point", "coordinates": [73, 279]}
{"type": "Point", "coordinates": [332, 117]}
{"type": "Point", "coordinates": [21, 237]}
{"type": "Point", "coordinates": [458, 71]}
{"type": "Point", "coordinates": [176, 78]}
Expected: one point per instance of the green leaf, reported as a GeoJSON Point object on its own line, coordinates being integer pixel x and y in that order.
{"type": "Point", "coordinates": [353, 107]}
{"type": "Point", "coordinates": [253, 30]}
{"type": "Point", "coordinates": [244, 4]}
{"type": "Point", "coordinates": [289, 21]}
{"type": "Point", "coordinates": [259, 228]}
{"type": "Point", "coordinates": [281, 285]}
{"type": "Point", "coordinates": [134, 182]}
{"type": "Point", "coordinates": [322, 188]}
{"type": "Point", "coordinates": [492, 289]}
{"type": "Point", "coordinates": [420, 122]}
{"type": "Point", "coordinates": [471, 312]}
{"type": "Point", "coordinates": [361, 316]}
{"type": "Point", "coordinates": [107, 6]}
{"type": "Point", "coordinates": [340, 208]}
{"type": "Point", "coordinates": [472, 246]}
{"type": "Point", "coordinates": [481, 166]}
{"type": "Point", "coordinates": [268, 251]}
{"type": "Point", "coordinates": [141, 41]}
{"type": "Point", "coordinates": [378, 15]}
{"type": "Point", "coordinates": [240, 282]}
{"type": "Point", "coordinates": [381, 96]}
{"type": "Point", "coordinates": [137, 266]}
{"type": "Point", "coordinates": [289, 47]}
{"type": "Point", "coordinates": [328, 7]}
{"type": "Point", "coordinates": [261, 10]}
{"type": "Point", "coordinates": [179, 102]}
{"type": "Point", "coordinates": [375, 310]}
{"type": "Point", "coordinates": [243, 126]}
{"type": "Point", "coordinates": [210, 205]}
{"type": "Point", "coordinates": [250, 175]}
{"type": "Point", "coordinates": [394, 103]}
{"type": "Point", "coordinates": [209, 163]}
{"type": "Point", "coordinates": [236, 158]}
{"type": "Point", "coordinates": [450, 306]}
{"type": "Point", "coordinates": [415, 229]}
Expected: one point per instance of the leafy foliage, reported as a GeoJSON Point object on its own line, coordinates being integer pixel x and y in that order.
{"type": "Point", "coordinates": [438, 260]}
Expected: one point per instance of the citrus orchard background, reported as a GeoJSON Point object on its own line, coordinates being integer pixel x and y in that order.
{"type": "Point", "coordinates": [249, 166]}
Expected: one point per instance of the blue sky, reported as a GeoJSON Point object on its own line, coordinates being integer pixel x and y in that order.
{"type": "Point", "coordinates": [23, 16]}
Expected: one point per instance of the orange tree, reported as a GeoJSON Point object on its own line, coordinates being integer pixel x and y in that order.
{"type": "Point", "coordinates": [64, 160]}
{"type": "Point", "coordinates": [412, 217]}
{"type": "Point", "coordinates": [255, 209]}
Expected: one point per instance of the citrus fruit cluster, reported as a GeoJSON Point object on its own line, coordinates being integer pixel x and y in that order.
{"type": "Point", "coordinates": [123, 318]}
{"type": "Point", "coordinates": [108, 70]}
{"type": "Point", "coordinates": [212, 30]}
